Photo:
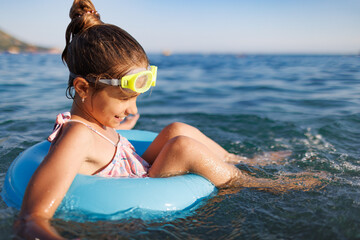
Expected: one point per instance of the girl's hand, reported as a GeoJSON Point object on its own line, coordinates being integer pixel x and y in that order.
{"type": "Point", "coordinates": [129, 122]}
{"type": "Point", "coordinates": [32, 227]}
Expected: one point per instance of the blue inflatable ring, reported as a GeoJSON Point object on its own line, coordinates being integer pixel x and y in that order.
{"type": "Point", "coordinates": [110, 198]}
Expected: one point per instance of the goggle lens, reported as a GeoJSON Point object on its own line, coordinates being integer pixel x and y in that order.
{"type": "Point", "coordinates": [143, 82]}
{"type": "Point", "coordinates": [140, 82]}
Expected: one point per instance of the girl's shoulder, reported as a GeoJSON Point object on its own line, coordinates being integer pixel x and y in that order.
{"type": "Point", "coordinates": [75, 135]}
{"type": "Point", "coordinates": [73, 146]}
{"type": "Point", "coordinates": [78, 131]}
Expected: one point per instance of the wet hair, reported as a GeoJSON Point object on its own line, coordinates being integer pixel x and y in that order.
{"type": "Point", "coordinates": [98, 50]}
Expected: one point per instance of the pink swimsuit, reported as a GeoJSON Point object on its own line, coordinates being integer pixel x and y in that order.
{"type": "Point", "coordinates": [126, 162]}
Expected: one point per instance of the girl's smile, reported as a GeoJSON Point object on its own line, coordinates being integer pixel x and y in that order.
{"type": "Point", "coordinates": [120, 119]}
{"type": "Point", "coordinates": [108, 107]}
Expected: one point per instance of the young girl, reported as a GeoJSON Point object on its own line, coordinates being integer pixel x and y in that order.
{"type": "Point", "coordinates": [108, 71]}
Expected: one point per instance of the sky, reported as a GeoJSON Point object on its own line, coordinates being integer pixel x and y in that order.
{"type": "Point", "coordinates": [202, 26]}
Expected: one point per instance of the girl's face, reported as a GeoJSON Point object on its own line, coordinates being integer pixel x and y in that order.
{"type": "Point", "coordinates": [110, 107]}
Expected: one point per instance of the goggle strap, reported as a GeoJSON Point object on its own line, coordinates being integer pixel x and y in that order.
{"type": "Point", "coordinates": [112, 82]}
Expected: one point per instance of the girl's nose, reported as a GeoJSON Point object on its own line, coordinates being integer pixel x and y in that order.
{"type": "Point", "coordinates": [132, 108]}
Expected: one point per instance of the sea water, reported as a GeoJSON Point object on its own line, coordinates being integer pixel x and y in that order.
{"type": "Point", "coordinates": [308, 105]}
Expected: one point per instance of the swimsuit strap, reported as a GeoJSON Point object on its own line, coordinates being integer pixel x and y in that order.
{"type": "Point", "coordinates": [96, 131]}
{"type": "Point", "coordinates": [63, 118]}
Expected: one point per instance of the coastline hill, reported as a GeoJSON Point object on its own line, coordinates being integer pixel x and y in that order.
{"type": "Point", "coordinates": [9, 44]}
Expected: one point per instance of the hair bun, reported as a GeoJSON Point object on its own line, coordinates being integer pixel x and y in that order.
{"type": "Point", "coordinates": [83, 15]}
{"type": "Point", "coordinates": [89, 12]}
{"type": "Point", "coordinates": [81, 8]}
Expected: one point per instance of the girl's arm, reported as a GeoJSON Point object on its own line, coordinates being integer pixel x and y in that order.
{"type": "Point", "coordinates": [51, 181]}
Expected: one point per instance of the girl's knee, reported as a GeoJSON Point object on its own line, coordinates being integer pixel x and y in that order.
{"type": "Point", "coordinates": [178, 129]}
{"type": "Point", "coordinates": [180, 143]}
{"type": "Point", "coordinates": [173, 159]}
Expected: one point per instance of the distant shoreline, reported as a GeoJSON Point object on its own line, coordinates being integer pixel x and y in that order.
{"type": "Point", "coordinates": [12, 45]}
{"type": "Point", "coordinates": [32, 51]}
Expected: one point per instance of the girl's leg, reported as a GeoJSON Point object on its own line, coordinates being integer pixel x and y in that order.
{"type": "Point", "coordinates": [182, 129]}
{"type": "Point", "coordinates": [183, 154]}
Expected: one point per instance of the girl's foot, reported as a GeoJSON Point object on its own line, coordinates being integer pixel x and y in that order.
{"type": "Point", "coordinates": [267, 158]}
{"type": "Point", "coordinates": [304, 181]}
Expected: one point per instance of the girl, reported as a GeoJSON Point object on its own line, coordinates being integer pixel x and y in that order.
{"type": "Point", "coordinates": [108, 71]}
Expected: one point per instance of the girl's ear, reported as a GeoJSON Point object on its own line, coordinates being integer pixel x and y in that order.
{"type": "Point", "coordinates": [81, 86]}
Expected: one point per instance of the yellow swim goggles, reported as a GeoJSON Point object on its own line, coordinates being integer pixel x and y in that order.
{"type": "Point", "coordinates": [138, 82]}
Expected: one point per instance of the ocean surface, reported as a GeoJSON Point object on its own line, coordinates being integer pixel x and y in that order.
{"type": "Point", "coordinates": [309, 105]}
